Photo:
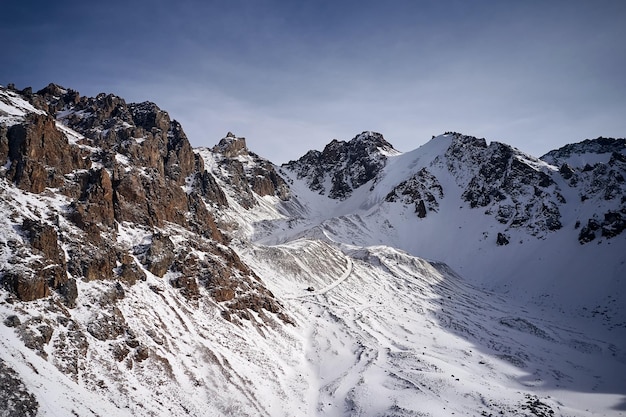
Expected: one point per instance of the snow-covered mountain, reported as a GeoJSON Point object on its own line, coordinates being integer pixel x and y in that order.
{"type": "Point", "coordinates": [502, 219]}
{"type": "Point", "coordinates": [143, 277]}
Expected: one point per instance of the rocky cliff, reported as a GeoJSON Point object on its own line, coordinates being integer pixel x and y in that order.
{"type": "Point", "coordinates": [246, 173]}
{"type": "Point", "coordinates": [343, 166]}
{"type": "Point", "coordinates": [95, 189]}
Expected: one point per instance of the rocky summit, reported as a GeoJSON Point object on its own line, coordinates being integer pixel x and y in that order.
{"type": "Point", "coordinates": [115, 168]}
{"type": "Point", "coordinates": [343, 166]}
{"type": "Point", "coordinates": [142, 277]}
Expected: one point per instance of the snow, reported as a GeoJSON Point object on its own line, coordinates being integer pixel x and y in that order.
{"type": "Point", "coordinates": [72, 136]}
{"type": "Point", "coordinates": [406, 316]}
{"type": "Point", "coordinates": [400, 334]}
{"type": "Point", "coordinates": [388, 331]}
{"type": "Point", "coordinates": [56, 394]}
{"type": "Point", "coordinates": [587, 158]}
{"type": "Point", "coordinates": [465, 239]}
{"type": "Point", "coordinates": [124, 160]}
{"type": "Point", "coordinates": [13, 108]}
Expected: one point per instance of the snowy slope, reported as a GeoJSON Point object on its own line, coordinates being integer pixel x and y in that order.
{"type": "Point", "coordinates": [139, 350]}
{"type": "Point", "coordinates": [390, 334]}
{"type": "Point", "coordinates": [13, 107]}
{"type": "Point", "coordinates": [550, 267]}
{"type": "Point", "coordinates": [387, 330]}
{"type": "Point", "coordinates": [395, 297]}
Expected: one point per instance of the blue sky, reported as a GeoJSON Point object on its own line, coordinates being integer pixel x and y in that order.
{"type": "Point", "coordinates": [292, 75]}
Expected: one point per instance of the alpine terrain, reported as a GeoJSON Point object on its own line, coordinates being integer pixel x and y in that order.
{"type": "Point", "coordinates": [142, 277]}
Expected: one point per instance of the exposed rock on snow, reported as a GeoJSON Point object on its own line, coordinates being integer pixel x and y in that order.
{"type": "Point", "coordinates": [246, 173]}
{"type": "Point", "coordinates": [111, 163]}
{"type": "Point", "coordinates": [15, 398]}
{"type": "Point", "coordinates": [140, 277]}
{"type": "Point", "coordinates": [516, 188]}
{"type": "Point", "coordinates": [422, 190]}
{"type": "Point", "coordinates": [343, 166]}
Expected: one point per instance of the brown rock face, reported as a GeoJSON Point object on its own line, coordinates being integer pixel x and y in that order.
{"type": "Point", "coordinates": [36, 276]}
{"type": "Point", "coordinates": [188, 286]}
{"type": "Point", "coordinates": [4, 142]}
{"type": "Point", "coordinates": [180, 161]}
{"type": "Point", "coordinates": [264, 180]}
{"type": "Point", "coordinates": [92, 261]}
{"type": "Point", "coordinates": [44, 239]}
{"type": "Point", "coordinates": [93, 211]}
{"type": "Point", "coordinates": [27, 287]}
{"type": "Point", "coordinates": [40, 154]}
{"type": "Point", "coordinates": [255, 177]}
{"type": "Point", "coordinates": [201, 221]}
{"type": "Point", "coordinates": [231, 146]}
{"type": "Point", "coordinates": [209, 189]}
{"type": "Point", "coordinates": [135, 169]}
{"type": "Point", "coordinates": [130, 272]}
{"type": "Point", "coordinates": [160, 255]}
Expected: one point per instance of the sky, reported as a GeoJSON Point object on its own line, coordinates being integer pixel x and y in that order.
{"type": "Point", "coordinates": [292, 75]}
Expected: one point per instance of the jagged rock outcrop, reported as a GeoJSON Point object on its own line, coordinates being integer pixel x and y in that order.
{"type": "Point", "coordinates": [343, 165]}
{"type": "Point", "coordinates": [40, 154]}
{"type": "Point", "coordinates": [94, 211]}
{"type": "Point", "coordinates": [120, 165]}
{"type": "Point", "coordinates": [422, 190]}
{"type": "Point", "coordinates": [246, 172]}
{"type": "Point", "coordinates": [514, 187]}
{"type": "Point", "coordinates": [596, 168]}
{"type": "Point", "coordinates": [103, 201]}
{"type": "Point", "coordinates": [599, 146]}
{"type": "Point", "coordinates": [159, 255]}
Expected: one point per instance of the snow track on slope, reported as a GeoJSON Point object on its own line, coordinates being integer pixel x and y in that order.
{"type": "Point", "coordinates": [332, 285]}
{"type": "Point", "coordinates": [339, 281]}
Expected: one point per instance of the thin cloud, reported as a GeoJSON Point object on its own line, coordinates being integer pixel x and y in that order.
{"type": "Point", "coordinates": [291, 76]}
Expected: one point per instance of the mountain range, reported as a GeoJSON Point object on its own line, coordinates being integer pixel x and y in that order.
{"type": "Point", "coordinates": [140, 276]}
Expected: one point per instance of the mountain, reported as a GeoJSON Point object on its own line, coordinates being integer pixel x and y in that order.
{"type": "Point", "coordinates": [343, 166]}
{"type": "Point", "coordinates": [503, 219]}
{"type": "Point", "coordinates": [142, 277]}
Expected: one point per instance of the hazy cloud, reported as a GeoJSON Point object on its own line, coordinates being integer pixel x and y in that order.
{"type": "Point", "coordinates": [291, 76]}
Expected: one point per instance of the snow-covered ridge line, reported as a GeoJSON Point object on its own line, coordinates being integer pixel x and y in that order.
{"type": "Point", "coordinates": [463, 277]}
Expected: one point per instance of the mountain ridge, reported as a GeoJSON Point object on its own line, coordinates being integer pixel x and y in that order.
{"type": "Point", "coordinates": [157, 279]}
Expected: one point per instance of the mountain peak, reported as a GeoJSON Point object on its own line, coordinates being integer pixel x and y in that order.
{"type": "Point", "coordinates": [344, 165]}
{"type": "Point", "coordinates": [245, 172]}
{"type": "Point", "coordinates": [373, 142]}
{"type": "Point", "coordinates": [231, 146]}
{"type": "Point", "coordinates": [370, 136]}
{"type": "Point", "coordinates": [589, 151]}
{"type": "Point", "coordinates": [114, 170]}
{"type": "Point", "coordinates": [129, 260]}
